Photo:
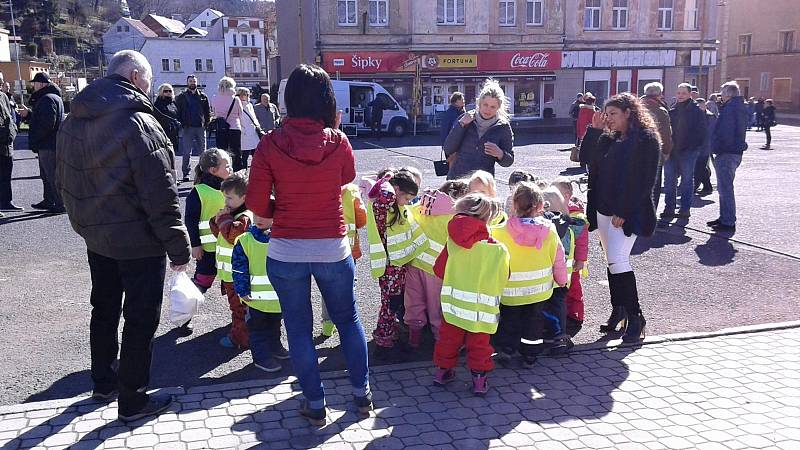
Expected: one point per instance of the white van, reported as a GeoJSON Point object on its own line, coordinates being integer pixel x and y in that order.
{"type": "Point", "coordinates": [352, 98]}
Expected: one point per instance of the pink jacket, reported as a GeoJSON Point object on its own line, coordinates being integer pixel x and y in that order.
{"type": "Point", "coordinates": [220, 104]}
{"type": "Point", "coordinates": [582, 240]}
{"type": "Point", "coordinates": [534, 234]}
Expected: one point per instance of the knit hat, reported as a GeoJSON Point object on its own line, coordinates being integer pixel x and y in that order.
{"type": "Point", "coordinates": [41, 77]}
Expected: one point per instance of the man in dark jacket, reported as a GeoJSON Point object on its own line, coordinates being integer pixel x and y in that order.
{"type": "Point", "coordinates": [117, 177]}
{"type": "Point", "coordinates": [452, 114]}
{"type": "Point", "coordinates": [44, 120]}
{"type": "Point", "coordinates": [376, 116]}
{"type": "Point", "coordinates": [653, 100]}
{"type": "Point", "coordinates": [194, 115]}
{"type": "Point", "coordinates": [8, 132]}
{"type": "Point", "coordinates": [688, 136]}
{"type": "Point", "coordinates": [728, 144]}
{"type": "Point", "coordinates": [574, 112]}
{"type": "Point", "coordinates": [702, 170]}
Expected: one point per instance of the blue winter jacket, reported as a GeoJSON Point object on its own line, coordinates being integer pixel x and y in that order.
{"type": "Point", "coordinates": [241, 265]}
{"type": "Point", "coordinates": [449, 118]}
{"type": "Point", "coordinates": [729, 135]}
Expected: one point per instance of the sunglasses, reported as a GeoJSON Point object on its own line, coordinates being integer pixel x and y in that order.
{"type": "Point", "coordinates": [167, 90]}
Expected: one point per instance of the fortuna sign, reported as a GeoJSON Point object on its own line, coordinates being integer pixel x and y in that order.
{"type": "Point", "coordinates": [536, 60]}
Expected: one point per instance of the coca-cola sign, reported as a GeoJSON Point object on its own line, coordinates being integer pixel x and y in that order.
{"type": "Point", "coordinates": [520, 61]}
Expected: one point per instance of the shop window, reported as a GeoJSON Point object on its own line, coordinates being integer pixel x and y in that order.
{"type": "Point", "coordinates": [591, 17]}
{"type": "Point", "coordinates": [507, 12]}
{"type": "Point", "coordinates": [619, 18]}
{"type": "Point", "coordinates": [176, 65]}
{"type": "Point", "coordinates": [782, 89]}
{"type": "Point", "coordinates": [165, 65]}
{"type": "Point", "coordinates": [450, 12]}
{"type": "Point", "coordinates": [535, 13]}
{"type": "Point", "coordinates": [198, 65]}
{"type": "Point", "coordinates": [378, 12]}
{"type": "Point", "coordinates": [346, 12]}
{"type": "Point", "coordinates": [526, 99]}
{"type": "Point", "coordinates": [787, 41]}
{"type": "Point", "coordinates": [209, 65]}
{"type": "Point", "coordinates": [692, 15]}
{"type": "Point", "coordinates": [744, 43]}
{"type": "Point", "coordinates": [665, 13]}
{"type": "Point", "coordinates": [598, 88]}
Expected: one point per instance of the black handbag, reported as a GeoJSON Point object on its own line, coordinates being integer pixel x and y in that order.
{"type": "Point", "coordinates": [442, 167]}
{"type": "Point", "coordinates": [221, 125]}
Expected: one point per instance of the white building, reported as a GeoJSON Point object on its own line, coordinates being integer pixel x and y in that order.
{"type": "Point", "coordinates": [125, 34]}
{"type": "Point", "coordinates": [205, 19]}
{"type": "Point", "coordinates": [245, 49]}
{"type": "Point", "coordinates": [173, 59]}
{"type": "Point", "coordinates": [5, 47]}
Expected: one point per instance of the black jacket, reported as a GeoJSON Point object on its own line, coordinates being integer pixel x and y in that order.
{"type": "Point", "coordinates": [45, 118]}
{"type": "Point", "coordinates": [636, 204]}
{"type": "Point", "coordinates": [8, 126]}
{"type": "Point", "coordinates": [184, 115]}
{"type": "Point", "coordinates": [168, 118]}
{"type": "Point", "coordinates": [470, 151]}
{"type": "Point", "coordinates": [688, 127]}
{"type": "Point", "coordinates": [769, 116]}
{"type": "Point", "coordinates": [115, 171]}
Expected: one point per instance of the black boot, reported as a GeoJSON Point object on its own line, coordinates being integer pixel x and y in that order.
{"type": "Point", "coordinates": [618, 320]}
{"type": "Point", "coordinates": [630, 299]}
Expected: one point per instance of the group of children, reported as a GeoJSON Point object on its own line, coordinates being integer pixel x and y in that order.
{"type": "Point", "coordinates": [453, 258]}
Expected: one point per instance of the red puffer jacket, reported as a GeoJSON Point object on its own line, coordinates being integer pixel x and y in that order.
{"type": "Point", "coordinates": [305, 166]}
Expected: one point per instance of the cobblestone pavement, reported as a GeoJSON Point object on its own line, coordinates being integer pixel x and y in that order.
{"type": "Point", "coordinates": [735, 391]}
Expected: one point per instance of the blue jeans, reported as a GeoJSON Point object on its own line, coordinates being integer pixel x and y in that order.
{"type": "Point", "coordinates": [725, 165]}
{"type": "Point", "coordinates": [681, 166]}
{"type": "Point", "coordinates": [194, 138]}
{"type": "Point", "coordinates": [265, 334]}
{"type": "Point", "coordinates": [292, 282]}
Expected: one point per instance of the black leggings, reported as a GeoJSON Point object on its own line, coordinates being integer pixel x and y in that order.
{"type": "Point", "coordinates": [768, 131]}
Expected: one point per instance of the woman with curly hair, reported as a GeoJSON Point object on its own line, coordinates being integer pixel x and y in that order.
{"type": "Point", "coordinates": [622, 148]}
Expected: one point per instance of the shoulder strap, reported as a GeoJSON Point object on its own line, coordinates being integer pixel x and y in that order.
{"type": "Point", "coordinates": [233, 102]}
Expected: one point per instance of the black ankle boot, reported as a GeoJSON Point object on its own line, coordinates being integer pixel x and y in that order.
{"type": "Point", "coordinates": [629, 297]}
{"type": "Point", "coordinates": [618, 319]}
{"type": "Point", "coordinates": [636, 329]}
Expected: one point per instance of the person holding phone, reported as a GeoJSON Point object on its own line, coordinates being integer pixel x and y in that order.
{"type": "Point", "coordinates": [483, 137]}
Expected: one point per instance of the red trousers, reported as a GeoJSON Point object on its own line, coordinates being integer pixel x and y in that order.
{"type": "Point", "coordinates": [451, 338]}
{"type": "Point", "coordinates": [239, 335]}
{"type": "Point", "coordinates": [574, 298]}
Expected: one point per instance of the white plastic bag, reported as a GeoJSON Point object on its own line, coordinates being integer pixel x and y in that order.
{"type": "Point", "coordinates": [184, 299]}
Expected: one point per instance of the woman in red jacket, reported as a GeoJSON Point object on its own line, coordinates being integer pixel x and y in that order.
{"type": "Point", "coordinates": [296, 179]}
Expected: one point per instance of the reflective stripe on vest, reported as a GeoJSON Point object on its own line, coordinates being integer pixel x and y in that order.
{"type": "Point", "coordinates": [262, 295]}
{"type": "Point", "coordinates": [349, 194]}
{"type": "Point", "coordinates": [404, 241]}
{"type": "Point", "coordinates": [473, 282]}
{"type": "Point", "coordinates": [435, 229]}
{"type": "Point", "coordinates": [224, 253]}
{"type": "Point", "coordinates": [531, 279]}
{"type": "Point", "coordinates": [211, 201]}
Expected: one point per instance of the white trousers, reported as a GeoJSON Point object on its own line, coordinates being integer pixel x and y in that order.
{"type": "Point", "coordinates": [616, 245]}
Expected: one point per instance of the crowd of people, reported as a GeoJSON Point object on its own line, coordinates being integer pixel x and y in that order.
{"type": "Point", "coordinates": [498, 278]}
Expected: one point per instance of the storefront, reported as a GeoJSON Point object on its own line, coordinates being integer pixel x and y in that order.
{"type": "Point", "coordinates": [527, 77]}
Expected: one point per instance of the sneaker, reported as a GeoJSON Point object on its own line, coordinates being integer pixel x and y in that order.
{"type": "Point", "coordinates": [561, 346]}
{"type": "Point", "coordinates": [683, 214]}
{"type": "Point", "coordinates": [705, 191]}
{"type": "Point", "coordinates": [444, 376]}
{"type": "Point", "coordinates": [364, 404]}
{"type": "Point", "coordinates": [11, 207]}
{"type": "Point", "coordinates": [269, 365]}
{"type": "Point", "coordinates": [315, 417]}
{"type": "Point", "coordinates": [723, 227]}
{"type": "Point", "coordinates": [186, 179]}
{"type": "Point", "coordinates": [766, 147]}
{"type": "Point", "coordinates": [668, 214]}
{"type": "Point", "coordinates": [155, 405]}
{"type": "Point", "coordinates": [280, 352]}
{"type": "Point", "coordinates": [106, 397]}
{"type": "Point", "coordinates": [480, 386]}
{"type": "Point", "coordinates": [711, 223]}
{"type": "Point", "coordinates": [328, 328]}
{"type": "Point", "coordinates": [41, 205]}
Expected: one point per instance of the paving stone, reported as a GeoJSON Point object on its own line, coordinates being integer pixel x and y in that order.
{"type": "Point", "coordinates": [170, 446]}
{"type": "Point", "coordinates": [143, 441]}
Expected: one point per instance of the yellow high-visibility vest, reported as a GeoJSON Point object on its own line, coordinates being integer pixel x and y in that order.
{"type": "Point", "coordinates": [531, 278]}
{"type": "Point", "coordinates": [473, 283]}
{"type": "Point", "coordinates": [435, 229]}
{"type": "Point", "coordinates": [262, 295]}
{"type": "Point", "coordinates": [349, 194]}
{"type": "Point", "coordinates": [404, 241]}
{"type": "Point", "coordinates": [211, 201]}
{"type": "Point", "coordinates": [225, 253]}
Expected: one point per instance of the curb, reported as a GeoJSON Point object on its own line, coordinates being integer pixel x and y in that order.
{"type": "Point", "coordinates": [87, 401]}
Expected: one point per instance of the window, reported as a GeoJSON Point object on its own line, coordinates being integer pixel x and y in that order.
{"type": "Point", "coordinates": [203, 23]}
{"type": "Point", "coordinates": [378, 12]}
{"type": "Point", "coordinates": [253, 40]}
{"type": "Point", "coordinates": [744, 43]}
{"type": "Point", "coordinates": [198, 65]}
{"type": "Point", "coordinates": [127, 28]}
{"type": "Point", "coordinates": [165, 65]}
{"type": "Point", "coordinates": [692, 15]}
{"type": "Point", "coordinates": [209, 65]}
{"type": "Point", "coordinates": [450, 12]}
{"type": "Point", "coordinates": [619, 19]}
{"type": "Point", "coordinates": [787, 41]}
{"type": "Point", "coordinates": [665, 14]}
{"type": "Point", "coordinates": [782, 89]}
{"type": "Point", "coordinates": [255, 66]}
{"type": "Point", "coordinates": [507, 13]}
{"type": "Point", "coordinates": [234, 39]}
{"type": "Point", "coordinates": [119, 28]}
{"type": "Point", "coordinates": [591, 17]}
{"type": "Point", "coordinates": [765, 76]}
{"type": "Point", "coordinates": [244, 40]}
{"type": "Point", "coordinates": [535, 13]}
{"type": "Point", "coordinates": [176, 65]}
{"type": "Point", "coordinates": [346, 12]}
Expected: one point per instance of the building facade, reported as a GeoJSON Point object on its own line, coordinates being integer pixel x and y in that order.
{"type": "Point", "coordinates": [125, 34]}
{"type": "Point", "coordinates": [542, 51]}
{"type": "Point", "coordinates": [164, 26]}
{"type": "Point", "coordinates": [245, 48]}
{"type": "Point", "coordinates": [173, 59]}
{"type": "Point", "coordinates": [761, 51]}
{"type": "Point", "coordinates": [205, 19]}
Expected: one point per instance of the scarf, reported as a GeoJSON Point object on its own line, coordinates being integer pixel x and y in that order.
{"type": "Point", "coordinates": [483, 125]}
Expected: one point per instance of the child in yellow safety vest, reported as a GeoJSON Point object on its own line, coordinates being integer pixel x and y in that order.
{"type": "Point", "coordinates": [483, 182]}
{"type": "Point", "coordinates": [423, 287]}
{"type": "Point", "coordinates": [537, 267]}
{"type": "Point", "coordinates": [202, 203]}
{"type": "Point", "coordinates": [474, 269]}
{"type": "Point", "coordinates": [394, 240]}
{"type": "Point", "coordinates": [355, 217]}
{"type": "Point", "coordinates": [231, 222]}
{"type": "Point", "coordinates": [252, 285]}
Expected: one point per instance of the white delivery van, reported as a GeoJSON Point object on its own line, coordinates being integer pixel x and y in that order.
{"type": "Point", "coordinates": [352, 98]}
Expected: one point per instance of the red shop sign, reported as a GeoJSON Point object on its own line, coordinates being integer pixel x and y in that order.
{"type": "Point", "coordinates": [521, 61]}
{"type": "Point", "coordinates": [368, 62]}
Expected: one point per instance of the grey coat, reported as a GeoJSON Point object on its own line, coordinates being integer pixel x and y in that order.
{"type": "Point", "coordinates": [464, 142]}
{"type": "Point", "coordinates": [8, 126]}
